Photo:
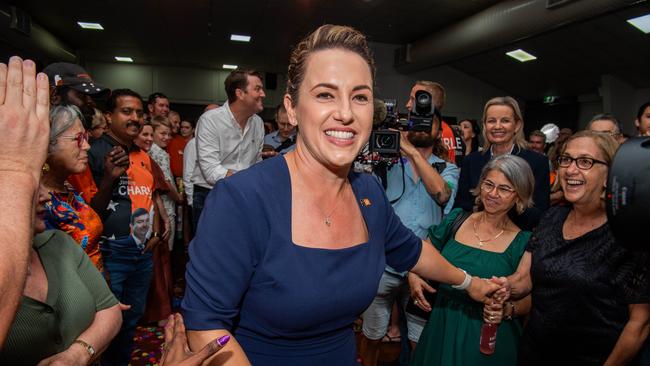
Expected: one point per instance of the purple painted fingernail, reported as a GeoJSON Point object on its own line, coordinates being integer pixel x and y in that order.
{"type": "Point", "coordinates": [223, 340]}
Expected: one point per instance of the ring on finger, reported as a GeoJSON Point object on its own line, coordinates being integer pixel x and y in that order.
{"type": "Point", "coordinates": [416, 301]}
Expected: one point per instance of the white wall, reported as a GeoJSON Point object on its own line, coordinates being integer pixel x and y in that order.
{"type": "Point", "coordinates": [465, 94]}
{"type": "Point", "coordinates": [590, 105]}
{"type": "Point", "coordinates": [180, 84]}
{"type": "Point", "coordinates": [623, 100]}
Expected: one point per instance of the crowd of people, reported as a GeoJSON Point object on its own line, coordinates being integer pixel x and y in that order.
{"type": "Point", "coordinates": [289, 244]}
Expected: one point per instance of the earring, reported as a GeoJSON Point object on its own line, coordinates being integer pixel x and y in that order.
{"type": "Point", "coordinates": [519, 207]}
{"type": "Point", "coordinates": [46, 168]}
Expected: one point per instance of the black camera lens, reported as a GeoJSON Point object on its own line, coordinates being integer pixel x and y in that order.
{"type": "Point", "coordinates": [424, 100]}
{"type": "Point", "coordinates": [384, 142]}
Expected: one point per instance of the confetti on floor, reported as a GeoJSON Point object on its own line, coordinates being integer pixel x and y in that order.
{"type": "Point", "coordinates": [146, 348]}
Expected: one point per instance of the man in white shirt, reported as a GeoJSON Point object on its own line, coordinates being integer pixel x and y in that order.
{"type": "Point", "coordinates": [229, 138]}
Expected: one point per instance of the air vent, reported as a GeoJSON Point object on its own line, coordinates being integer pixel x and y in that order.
{"type": "Point", "coordinates": [552, 4]}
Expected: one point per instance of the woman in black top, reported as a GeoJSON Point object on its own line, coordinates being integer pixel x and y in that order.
{"type": "Point", "coordinates": [503, 127]}
{"type": "Point", "coordinates": [589, 295]}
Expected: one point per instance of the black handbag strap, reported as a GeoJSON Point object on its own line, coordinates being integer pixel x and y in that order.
{"type": "Point", "coordinates": [456, 224]}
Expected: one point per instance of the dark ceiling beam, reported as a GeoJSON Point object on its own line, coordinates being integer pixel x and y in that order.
{"type": "Point", "coordinates": [504, 23]}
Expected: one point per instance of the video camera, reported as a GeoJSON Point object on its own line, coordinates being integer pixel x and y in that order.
{"type": "Point", "coordinates": [627, 197]}
{"type": "Point", "coordinates": [384, 138]}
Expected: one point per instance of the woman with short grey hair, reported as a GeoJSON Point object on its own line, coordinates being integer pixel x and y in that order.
{"type": "Point", "coordinates": [67, 155]}
{"type": "Point", "coordinates": [485, 243]}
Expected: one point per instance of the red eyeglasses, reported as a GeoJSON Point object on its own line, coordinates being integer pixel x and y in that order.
{"type": "Point", "coordinates": [79, 137]}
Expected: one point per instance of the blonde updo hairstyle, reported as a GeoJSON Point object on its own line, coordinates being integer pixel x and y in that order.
{"type": "Point", "coordinates": [325, 37]}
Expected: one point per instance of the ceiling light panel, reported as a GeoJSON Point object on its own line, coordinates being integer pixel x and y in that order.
{"type": "Point", "coordinates": [240, 38]}
{"type": "Point", "coordinates": [123, 59]}
{"type": "Point", "coordinates": [229, 67]}
{"type": "Point", "coordinates": [86, 25]}
{"type": "Point", "coordinates": [642, 23]}
{"type": "Point", "coordinates": [521, 55]}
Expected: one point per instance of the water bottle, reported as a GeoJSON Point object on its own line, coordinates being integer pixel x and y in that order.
{"type": "Point", "coordinates": [488, 338]}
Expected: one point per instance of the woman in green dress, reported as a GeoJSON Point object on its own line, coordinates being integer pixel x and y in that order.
{"type": "Point", "coordinates": [486, 244]}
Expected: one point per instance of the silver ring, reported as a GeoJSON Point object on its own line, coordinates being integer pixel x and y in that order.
{"type": "Point", "coordinates": [416, 302]}
{"type": "Point", "coordinates": [491, 317]}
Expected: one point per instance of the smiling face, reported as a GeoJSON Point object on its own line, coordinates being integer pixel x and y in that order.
{"type": "Point", "coordinates": [160, 107]}
{"type": "Point", "coordinates": [501, 125]}
{"type": "Point", "coordinates": [126, 119]}
{"type": "Point", "coordinates": [583, 186]}
{"type": "Point", "coordinates": [145, 138]}
{"type": "Point", "coordinates": [175, 121]}
{"type": "Point", "coordinates": [67, 156]}
{"type": "Point", "coordinates": [253, 96]}
{"type": "Point", "coordinates": [161, 136]}
{"type": "Point", "coordinates": [497, 193]}
{"type": "Point", "coordinates": [536, 143]}
{"type": "Point", "coordinates": [335, 107]}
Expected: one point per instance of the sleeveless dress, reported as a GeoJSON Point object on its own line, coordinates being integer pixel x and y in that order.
{"type": "Point", "coordinates": [451, 337]}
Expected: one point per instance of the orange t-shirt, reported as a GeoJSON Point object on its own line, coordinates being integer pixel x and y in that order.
{"type": "Point", "coordinates": [175, 149]}
{"type": "Point", "coordinates": [452, 142]}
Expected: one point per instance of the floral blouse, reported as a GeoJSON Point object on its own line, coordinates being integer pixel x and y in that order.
{"type": "Point", "coordinates": [69, 212]}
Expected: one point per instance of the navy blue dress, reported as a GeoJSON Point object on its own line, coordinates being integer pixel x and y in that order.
{"type": "Point", "coordinates": [287, 304]}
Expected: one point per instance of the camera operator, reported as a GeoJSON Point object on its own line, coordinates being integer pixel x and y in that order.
{"type": "Point", "coordinates": [419, 188]}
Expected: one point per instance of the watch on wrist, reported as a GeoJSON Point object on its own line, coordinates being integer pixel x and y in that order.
{"type": "Point", "coordinates": [87, 347]}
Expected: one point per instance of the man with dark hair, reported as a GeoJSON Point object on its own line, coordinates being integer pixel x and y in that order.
{"type": "Point", "coordinates": [140, 225]}
{"type": "Point", "coordinates": [642, 121]}
{"type": "Point", "coordinates": [158, 105]}
{"type": "Point", "coordinates": [126, 193]}
{"type": "Point", "coordinates": [229, 138]}
{"type": "Point", "coordinates": [420, 190]}
{"type": "Point", "coordinates": [283, 139]}
{"type": "Point", "coordinates": [537, 141]}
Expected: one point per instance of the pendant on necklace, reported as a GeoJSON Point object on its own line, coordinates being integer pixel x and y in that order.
{"type": "Point", "coordinates": [328, 221]}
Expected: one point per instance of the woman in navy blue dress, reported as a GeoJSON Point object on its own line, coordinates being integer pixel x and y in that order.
{"type": "Point", "coordinates": [290, 251]}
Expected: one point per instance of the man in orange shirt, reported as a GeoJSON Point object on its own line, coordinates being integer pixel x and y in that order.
{"type": "Point", "coordinates": [176, 147]}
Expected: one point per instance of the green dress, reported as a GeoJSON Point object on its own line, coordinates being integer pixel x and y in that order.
{"type": "Point", "coordinates": [451, 337]}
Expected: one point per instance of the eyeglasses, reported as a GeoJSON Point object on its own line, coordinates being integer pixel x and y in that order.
{"type": "Point", "coordinates": [502, 190]}
{"type": "Point", "coordinates": [584, 163]}
{"type": "Point", "coordinates": [80, 137]}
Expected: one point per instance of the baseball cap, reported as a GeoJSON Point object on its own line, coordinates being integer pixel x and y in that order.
{"type": "Point", "coordinates": [73, 76]}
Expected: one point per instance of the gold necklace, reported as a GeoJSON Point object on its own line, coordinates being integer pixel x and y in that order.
{"type": "Point", "coordinates": [482, 242]}
{"type": "Point", "coordinates": [328, 218]}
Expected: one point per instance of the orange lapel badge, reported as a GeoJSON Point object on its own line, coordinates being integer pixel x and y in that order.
{"type": "Point", "coordinates": [366, 202]}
